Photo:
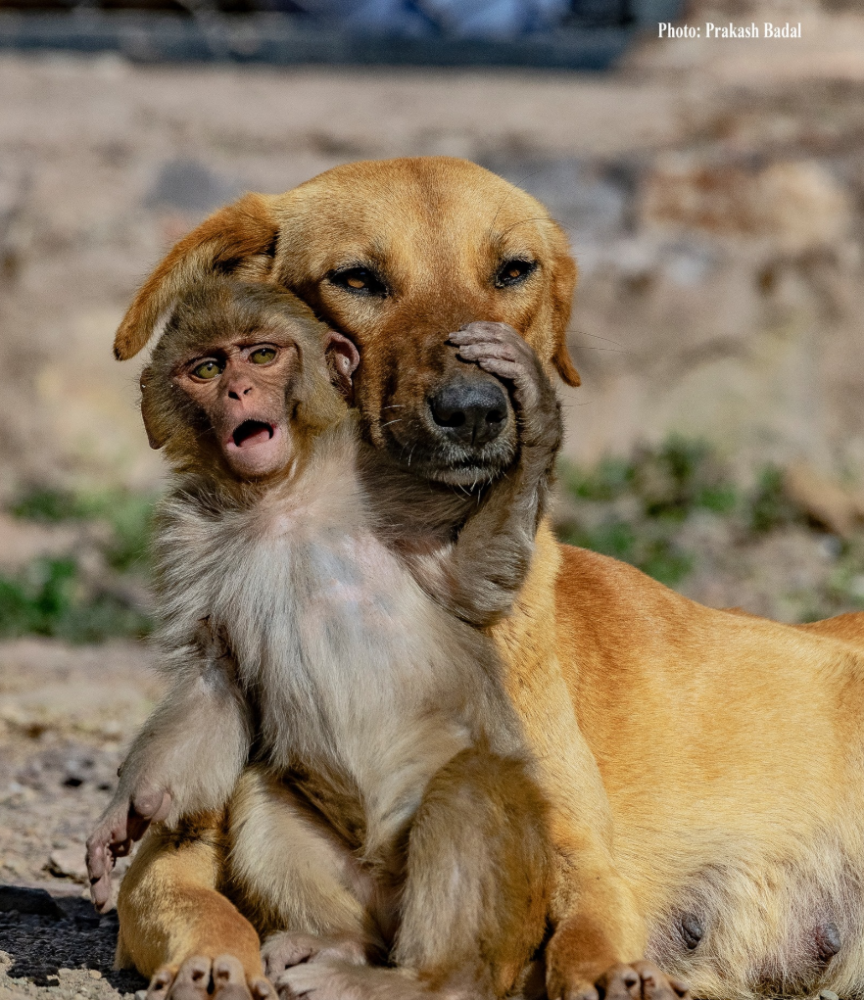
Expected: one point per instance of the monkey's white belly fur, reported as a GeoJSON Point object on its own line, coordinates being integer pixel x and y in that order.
{"type": "Point", "coordinates": [325, 620]}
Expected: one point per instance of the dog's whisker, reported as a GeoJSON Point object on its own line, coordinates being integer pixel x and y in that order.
{"type": "Point", "coordinates": [593, 336]}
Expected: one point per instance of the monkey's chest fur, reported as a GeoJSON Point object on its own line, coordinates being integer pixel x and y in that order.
{"type": "Point", "coordinates": [362, 686]}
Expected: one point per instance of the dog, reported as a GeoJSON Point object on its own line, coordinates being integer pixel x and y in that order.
{"type": "Point", "coordinates": [703, 768]}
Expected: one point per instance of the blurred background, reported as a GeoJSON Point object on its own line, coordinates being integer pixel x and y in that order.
{"type": "Point", "coordinates": [713, 192]}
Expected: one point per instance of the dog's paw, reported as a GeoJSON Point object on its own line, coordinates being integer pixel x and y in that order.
{"type": "Point", "coordinates": [192, 980]}
{"type": "Point", "coordinates": [636, 981]}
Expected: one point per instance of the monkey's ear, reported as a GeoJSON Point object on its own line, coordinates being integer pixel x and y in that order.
{"type": "Point", "coordinates": [342, 360]}
{"type": "Point", "coordinates": [239, 239]}
{"type": "Point", "coordinates": [157, 435]}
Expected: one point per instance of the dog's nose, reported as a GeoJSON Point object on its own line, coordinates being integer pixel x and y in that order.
{"type": "Point", "coordinates": [474, 412]}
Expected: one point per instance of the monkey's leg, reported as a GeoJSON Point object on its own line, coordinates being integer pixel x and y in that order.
{"type": "Point", "coordinates": [478, 876]}
{"type": "Point", "coordinates": [176, 927]}
{"type": "Point", "coordinates": [298, 878]}
{"type": "Point", "coordinates": [475, 893]}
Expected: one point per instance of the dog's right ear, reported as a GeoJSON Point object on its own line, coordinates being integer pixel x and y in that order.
{"type": "Point", "coordinates": [238, 239]}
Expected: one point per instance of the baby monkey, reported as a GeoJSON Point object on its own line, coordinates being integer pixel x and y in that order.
{"type": "Point", "coordinates": [321, 615]}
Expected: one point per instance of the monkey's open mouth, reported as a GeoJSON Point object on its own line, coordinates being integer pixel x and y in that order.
{"type": "Point", "coordinates": [252, 432]}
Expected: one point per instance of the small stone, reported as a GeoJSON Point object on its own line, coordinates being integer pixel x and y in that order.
{"type": "Point", "coordinates": [828, 995]}
{"type": "Point", "coordinates": [69, 862]}
{"type": "Point", "coordinates": [94, 973]}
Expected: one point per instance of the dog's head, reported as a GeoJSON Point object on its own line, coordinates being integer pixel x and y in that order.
{"type": "Point", "coordinates": [396, 255]}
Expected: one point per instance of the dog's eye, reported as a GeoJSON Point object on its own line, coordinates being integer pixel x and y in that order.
{"type": "Point", "coordinates": [513, 271]}
{"type": "Point", "coordinates": [359, 280]}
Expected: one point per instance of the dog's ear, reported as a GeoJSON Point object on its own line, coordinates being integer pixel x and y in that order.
{"type": "Point", "coordinates": [238, 239]}
{"type": "Point", "coordinates": [564, 274]}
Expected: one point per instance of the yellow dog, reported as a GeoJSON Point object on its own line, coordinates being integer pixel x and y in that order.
{"type": "Point", "coordinates": [705, 769]}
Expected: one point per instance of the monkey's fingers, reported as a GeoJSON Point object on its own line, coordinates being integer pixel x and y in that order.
{"type": "Point", "coordinates": [496, 337]}
{"type": "Point", "coordinates": [487, 331]}
{"type": "Point", "coordinates": [530, 390]}
{"type": "Point", "coordinates": [101, 846]}
{"type": "Point", "coordinates": [100, 893]}
{"type": "Point", "coordinates": [99, 866]}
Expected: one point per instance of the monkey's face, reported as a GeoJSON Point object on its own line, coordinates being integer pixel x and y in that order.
{"type": "Point", "coordinates": [241, 379]}
{"type": "Point", "coordinates": [241, 388]}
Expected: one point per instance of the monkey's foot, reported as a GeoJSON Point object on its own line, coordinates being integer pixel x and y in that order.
{"type": "Point", "coordinates": [638, 981]}
{"type": "Point", "coordinates": [199, 978]}
{"type": "Point", "coordinates": [341, 981]}
{"type": "Point", "coordinates": [284, 951]}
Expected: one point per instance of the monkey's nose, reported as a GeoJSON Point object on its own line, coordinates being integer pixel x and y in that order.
{"type": "Point", "coordinates": [473, 412]}
{"type": "Point", "coordinates": [236, 392]}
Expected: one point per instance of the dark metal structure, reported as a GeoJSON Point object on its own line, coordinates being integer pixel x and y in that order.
{"type": "Point", "coordinates": [282, 32]}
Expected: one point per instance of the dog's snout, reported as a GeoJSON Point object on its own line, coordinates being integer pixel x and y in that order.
{"type": "Point", "coordinates": [475, 412]}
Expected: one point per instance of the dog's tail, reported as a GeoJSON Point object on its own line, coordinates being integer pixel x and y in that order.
{"type": "Point", "coordinates": [239, 239]}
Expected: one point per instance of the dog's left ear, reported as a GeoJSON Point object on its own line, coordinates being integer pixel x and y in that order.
{"type": "Point", "coordinates": [564, 276]}
{"type": "Point", "coordinates": [239, 239]}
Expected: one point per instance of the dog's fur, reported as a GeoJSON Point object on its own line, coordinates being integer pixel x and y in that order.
{"type": "Point", "coordinates": [704, 768]}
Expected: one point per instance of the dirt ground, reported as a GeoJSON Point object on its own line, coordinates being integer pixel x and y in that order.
{"type": "Point", "coordinates": [714, 194]}
{"type": "Point", "coordinates": [65, 714]}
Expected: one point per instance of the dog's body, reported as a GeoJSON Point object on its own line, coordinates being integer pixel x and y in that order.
{"type": "Point", "coordinates": [704, 768]}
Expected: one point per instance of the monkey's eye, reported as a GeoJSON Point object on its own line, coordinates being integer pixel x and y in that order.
{"type": "Point", "coordinates": [208, 369]}
{"type": "Point", "coordinates": [512, 272]}
{"type": "Point", "coordinates": [359, 281]}
{"type": "Point", "coordinates": [262, 355]}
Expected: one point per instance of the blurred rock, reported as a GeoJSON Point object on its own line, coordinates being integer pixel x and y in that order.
{"type": "Point", "coordinates": [793, 206]}
{"type": "Point", "coordinates": [69, 862]}
{"type": "Point", "coordinates": [47, 687]}
{"type": "Point", "coordinates": [191, 187]}
{"type": "Point", "coordinates": [824, 501]}
{"type": "Point", "coordinates": [23, 541]}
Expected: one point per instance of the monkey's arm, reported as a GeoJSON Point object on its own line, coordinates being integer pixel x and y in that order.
{"type": "Point", "coordinates": [478, 577]}
{"type": "Point", "coordinates": [186, 759]}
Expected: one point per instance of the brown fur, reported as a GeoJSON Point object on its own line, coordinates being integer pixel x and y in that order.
{"type": "Point", "coordinates": [696, 761]}
{"type": "Point", "coordinates": [396, 813]}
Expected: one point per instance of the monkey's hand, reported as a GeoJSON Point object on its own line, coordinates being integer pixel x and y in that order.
{"type": "Point", "coordinates": [124, 821]}
{"type": "Point", "coordinates": [498, 349]}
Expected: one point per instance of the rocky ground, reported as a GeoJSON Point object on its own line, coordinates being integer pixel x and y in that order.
{"type": "Point", "coordinates": [65, 712]}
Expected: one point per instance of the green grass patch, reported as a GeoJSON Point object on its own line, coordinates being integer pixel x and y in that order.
{"type": "Point", "coordinates": [130, 516]}
{"type": "Point", "coordinates": [55, 596]}
{"type": "Point", "coordinates": [49, 598]}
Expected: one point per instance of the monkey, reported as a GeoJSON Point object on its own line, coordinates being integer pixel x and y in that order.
{"type": "Point", "coordinates": [323, 615]}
